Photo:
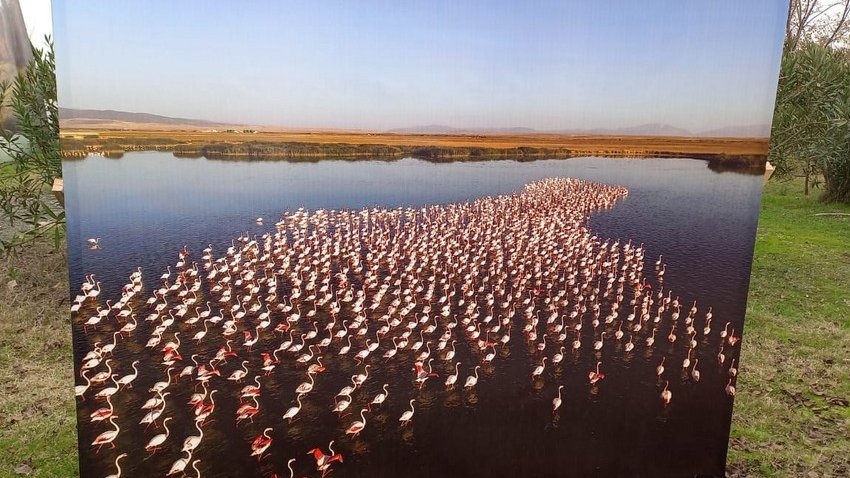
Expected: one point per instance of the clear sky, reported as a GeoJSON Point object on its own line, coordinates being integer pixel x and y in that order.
{"type": "Point", "coordinates": [37, 20]}
{"type": "Point", "coordinates": [696, 64]}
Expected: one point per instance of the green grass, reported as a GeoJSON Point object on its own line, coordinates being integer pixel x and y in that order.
{"type": "Point", "coordinates": [789, 420]}
{"type": "Point", "coordinates": [791, 417]}
{"type": "Point", "coordinates": [37, 422]}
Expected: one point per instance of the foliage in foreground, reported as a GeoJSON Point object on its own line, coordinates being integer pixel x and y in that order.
{"type": "Point", "coordinates": [811, 125]}
{"type": "Point", "coordinates": [26, 179]}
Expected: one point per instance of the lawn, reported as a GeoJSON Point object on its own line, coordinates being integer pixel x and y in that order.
{"type": "Point", "coordinates": [791, 414]}
{"type": "Point", "coordinates": [37, 423]}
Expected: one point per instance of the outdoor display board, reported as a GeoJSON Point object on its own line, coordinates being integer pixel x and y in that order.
{"type": "Point", "coordinates": [411, 239]}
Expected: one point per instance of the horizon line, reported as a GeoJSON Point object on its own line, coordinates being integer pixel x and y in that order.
{"type": "Point", "coordinates": [418, 129]}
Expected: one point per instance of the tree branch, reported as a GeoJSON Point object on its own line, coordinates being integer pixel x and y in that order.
{"type": "Point", "coordinates": [840, 24]}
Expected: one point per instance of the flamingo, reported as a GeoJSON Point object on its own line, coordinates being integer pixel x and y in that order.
{"type": "Point", "coordinates": [422, 375]}
{"type": "Point", "coordinates": [666, 394]}
{"type": "Point", "coordinates": [248, 410]}
{"type": "Point", "coordinates": [249, 391]}
{"type": "Point", "coordinates": [80, 390]}
{"type": "Point", "coordinates": [108, 390]}
{"type": "Point", "coordinates": [360, 378]}
{"type": "Point", "coordinates": [128, 327]}
{"type": "Point", "coordinates": [345, 348]}
{"type": "Point", "coordinates": [538, 371]}
{"type": "Point", "coordinates": [342, 404]}
{"type": "Point", "coordinates": [290, 414]}
{"type": "Point", "coordinates": [103, 413]}
{"type": "Point", "coordinates": [93, 293]}
{"type": "Point", "coordinates": [451, 353]}
{"type": "Point", "coordinates": [161, 386]}
{"type": "Point", "coordinates": [556, 402]}
{"type": "Point", "coordinates": [320, 456]}
{"type": "Point", "coordinates": [261, 443]}
{"type": "Point", "coordinates": [472, 380]}
{"type": "Point", "coordinates": [732, 338]}
{"type": "Point", "coordinates": [92, 321]}
{"type": "Point", "coordinates": [542, 345]}
{"type": "Point", "coordinates": [324, 462]}
{"type": "Point", "coordinates": [201, 333]}
{"type": "Point", "coordinates": [154, 402]}
{"type": "Point", "coordinates": [357, 426]}
{"type": "Point", "coordinates": [559, 356]}
{"type": "Point", "coordinates": [347, 390]}
{"type": "Point", "coordinates": [157, 440]}
{"type": "Point", "coordinates": [192, 442]}
{"type": "Point", "coordinates": [725, 331]}
{"type": "Point", "coordinates": [595, 376]}
{"type": "Point", "coordinates": [202, 412]}
{"type": "Point", "coordinates": [305, 387]}
{"type": "Point", "coordinates": [380, 398]}
{"type": "Point", "coordinates": [155, 413]}
{"type": "Point", "coordinates": [117, 474]}
{"type": "Point", "coordinates": [238, 375]}
{"type": "Point", "coordinates": [694, 371]}
{"type": "Point", "coordinates": [599, 343]}
{"type": "Point", "coordinates": [108, 437]}
{"type": "Point", "coordinates": [687, 361]}
{"type": "Point", "coordinates": [129, 378]}
{"type": "Point", "coordinates": [179, 465]}
{"type": "Point", "coordinates": [629, 345]}
{"type": "Point", "coordinates": [451, 379]}
{"type": "Point", "coordinates": [407, 416]}
{"type": "Point", "coordinates": [730, 389]}
{"type": "Point", "coordinates": [651, 339]}
{"type": "Point", "coordinates": [108, 348]}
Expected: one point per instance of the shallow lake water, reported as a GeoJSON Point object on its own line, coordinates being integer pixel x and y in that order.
{"type": "Point", "coordinates": [145, 207]}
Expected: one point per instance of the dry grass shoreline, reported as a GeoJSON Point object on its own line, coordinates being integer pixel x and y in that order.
{"type": "Point", "coordinates": [77, 141]}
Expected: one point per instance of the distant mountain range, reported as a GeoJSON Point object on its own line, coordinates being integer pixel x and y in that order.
{"type": "Point", "coordinates": [70, 117]}
{"type": "Point", "coordinates": [749, 131]}
{"type": "Point", "coordinates": [443, 129]}
{"type": "Point", "coordinates": [649, 129]}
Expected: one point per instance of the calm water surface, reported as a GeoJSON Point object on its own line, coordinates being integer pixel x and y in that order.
{"type": "Point", "coordinates": [146, 206]}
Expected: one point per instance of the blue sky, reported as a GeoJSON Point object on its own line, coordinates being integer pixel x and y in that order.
{"type": "Point", "coordinates": [697, 65]}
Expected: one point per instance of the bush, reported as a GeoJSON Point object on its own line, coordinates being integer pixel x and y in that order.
{"type": "Point", "coordinates": [26, 179]}
{"type": "Point", "coordinates": [811, 126]}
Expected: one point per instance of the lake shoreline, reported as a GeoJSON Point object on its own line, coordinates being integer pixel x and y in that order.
{"type": "Point", "coordinates": [716, 163]}
{"type": "Point", "coordinates": [744, 153]}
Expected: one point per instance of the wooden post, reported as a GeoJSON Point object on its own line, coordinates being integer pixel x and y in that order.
{"type": "Point", "coordinates": [59, 191]}
{"type": "Point", "coordinates": [768, 171]}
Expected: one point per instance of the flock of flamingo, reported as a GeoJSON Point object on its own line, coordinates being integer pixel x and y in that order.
{"type": "Point", "coordinates": [371, 292]}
